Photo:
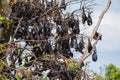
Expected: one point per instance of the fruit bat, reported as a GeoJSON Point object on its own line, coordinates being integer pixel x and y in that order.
{"type": "Point", "coordinates": [89, 19]}
{"type": "Point", "coordinates": [84, 17]}
{"type": "Point", "coordinates": [89, 46]}
{"type": "Point", "coordinates": [71, 22]}
{"type": "Point", "coordinates": [94, 55]}
{"type": "Point", "coordinates": [81, 45]}
{"type": "Point", "coordinates": [37, 51]}
{"type": "Point", "coordinates": [97, 35]}
{"type": "Point", "coordinates": [75, 26]}
{"type": "Point", "coordinates": [63, 5]}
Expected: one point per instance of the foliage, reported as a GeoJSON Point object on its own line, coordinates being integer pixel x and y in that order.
{"type": "Point", "coordinates": [3, 20]}
{"type": "Point", "coordinates": [5, 28]}
{"type": "Point", "coordinates": [71, 65]}
{"type": "Point", "coordinates": [112, 72]}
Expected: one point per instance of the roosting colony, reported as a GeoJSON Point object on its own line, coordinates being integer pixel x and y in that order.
{"type": "Point", "coordinates": [47, 35]}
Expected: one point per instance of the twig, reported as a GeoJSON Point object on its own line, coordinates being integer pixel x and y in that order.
{"type": "Point", "coordinates": [18, 26]}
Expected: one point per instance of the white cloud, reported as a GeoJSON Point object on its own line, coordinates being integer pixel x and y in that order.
{"type": "Point", "coordinates": [113, 20]}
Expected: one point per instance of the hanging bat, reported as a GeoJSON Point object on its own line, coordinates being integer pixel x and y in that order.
{"type": "Point", "coordinates": [89, 19]}
{"type": "Point", "coordinates": [63, 5]}
{"type": "Point", "coordinates": [97, 35]}
{"type": "Point", "coordinates": [89, 46]}
{"type": "Point", "coordinates": [84, 17]}
{"type": "Point", "coordinates": [81, 45]}
{"type": "Point", "coordinates": [94, 55]}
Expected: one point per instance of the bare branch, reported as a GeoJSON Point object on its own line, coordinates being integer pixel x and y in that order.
{"type": "Point", "coordinates": [86, 54]}
{"type": "Point", "coordinates": [18, 26]}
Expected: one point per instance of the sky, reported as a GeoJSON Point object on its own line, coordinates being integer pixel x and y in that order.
{"type": "Point", "coordinates": [109, 48]}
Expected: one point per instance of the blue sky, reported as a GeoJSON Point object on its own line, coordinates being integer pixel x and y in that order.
{"type": "Point", "coordinates": [109, 48]}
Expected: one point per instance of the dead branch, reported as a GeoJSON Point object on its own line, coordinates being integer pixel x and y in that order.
{"type": "Point", "coordinates": [86, 54]}
{"type": "Point", "coordinates": [18, 26]}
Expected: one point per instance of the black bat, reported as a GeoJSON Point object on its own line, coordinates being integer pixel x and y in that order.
{"type": "Point", "coordinates": [97, 35]}
{"type": "Point", "coordinates": [81, 45]}
{"type": "Point", "coordinates": [94, 55]}
{"type": "Point", "coordinates": [89, 19]}
{"type": "Point", "coordinates": [89, 46]}
{"type": "Point", "coordinates": [84, 17]}
{"type": "Point", "coordinates": [63, 5]}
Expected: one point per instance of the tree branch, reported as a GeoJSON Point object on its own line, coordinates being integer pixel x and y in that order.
{"type": "Point", "coordinates": [86, 54]}
{"type": "Point", "coordinates": [18, 26]}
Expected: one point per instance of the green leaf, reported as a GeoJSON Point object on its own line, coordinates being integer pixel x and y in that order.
{"type": "Point", "coordinates": [112, 72]}
{"type": "Point", "coordinates": [71, 65]}
{"type": "Point", "coordinates": [2, 47]}
{"type": "Point", "coordinates": [4, 19]}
